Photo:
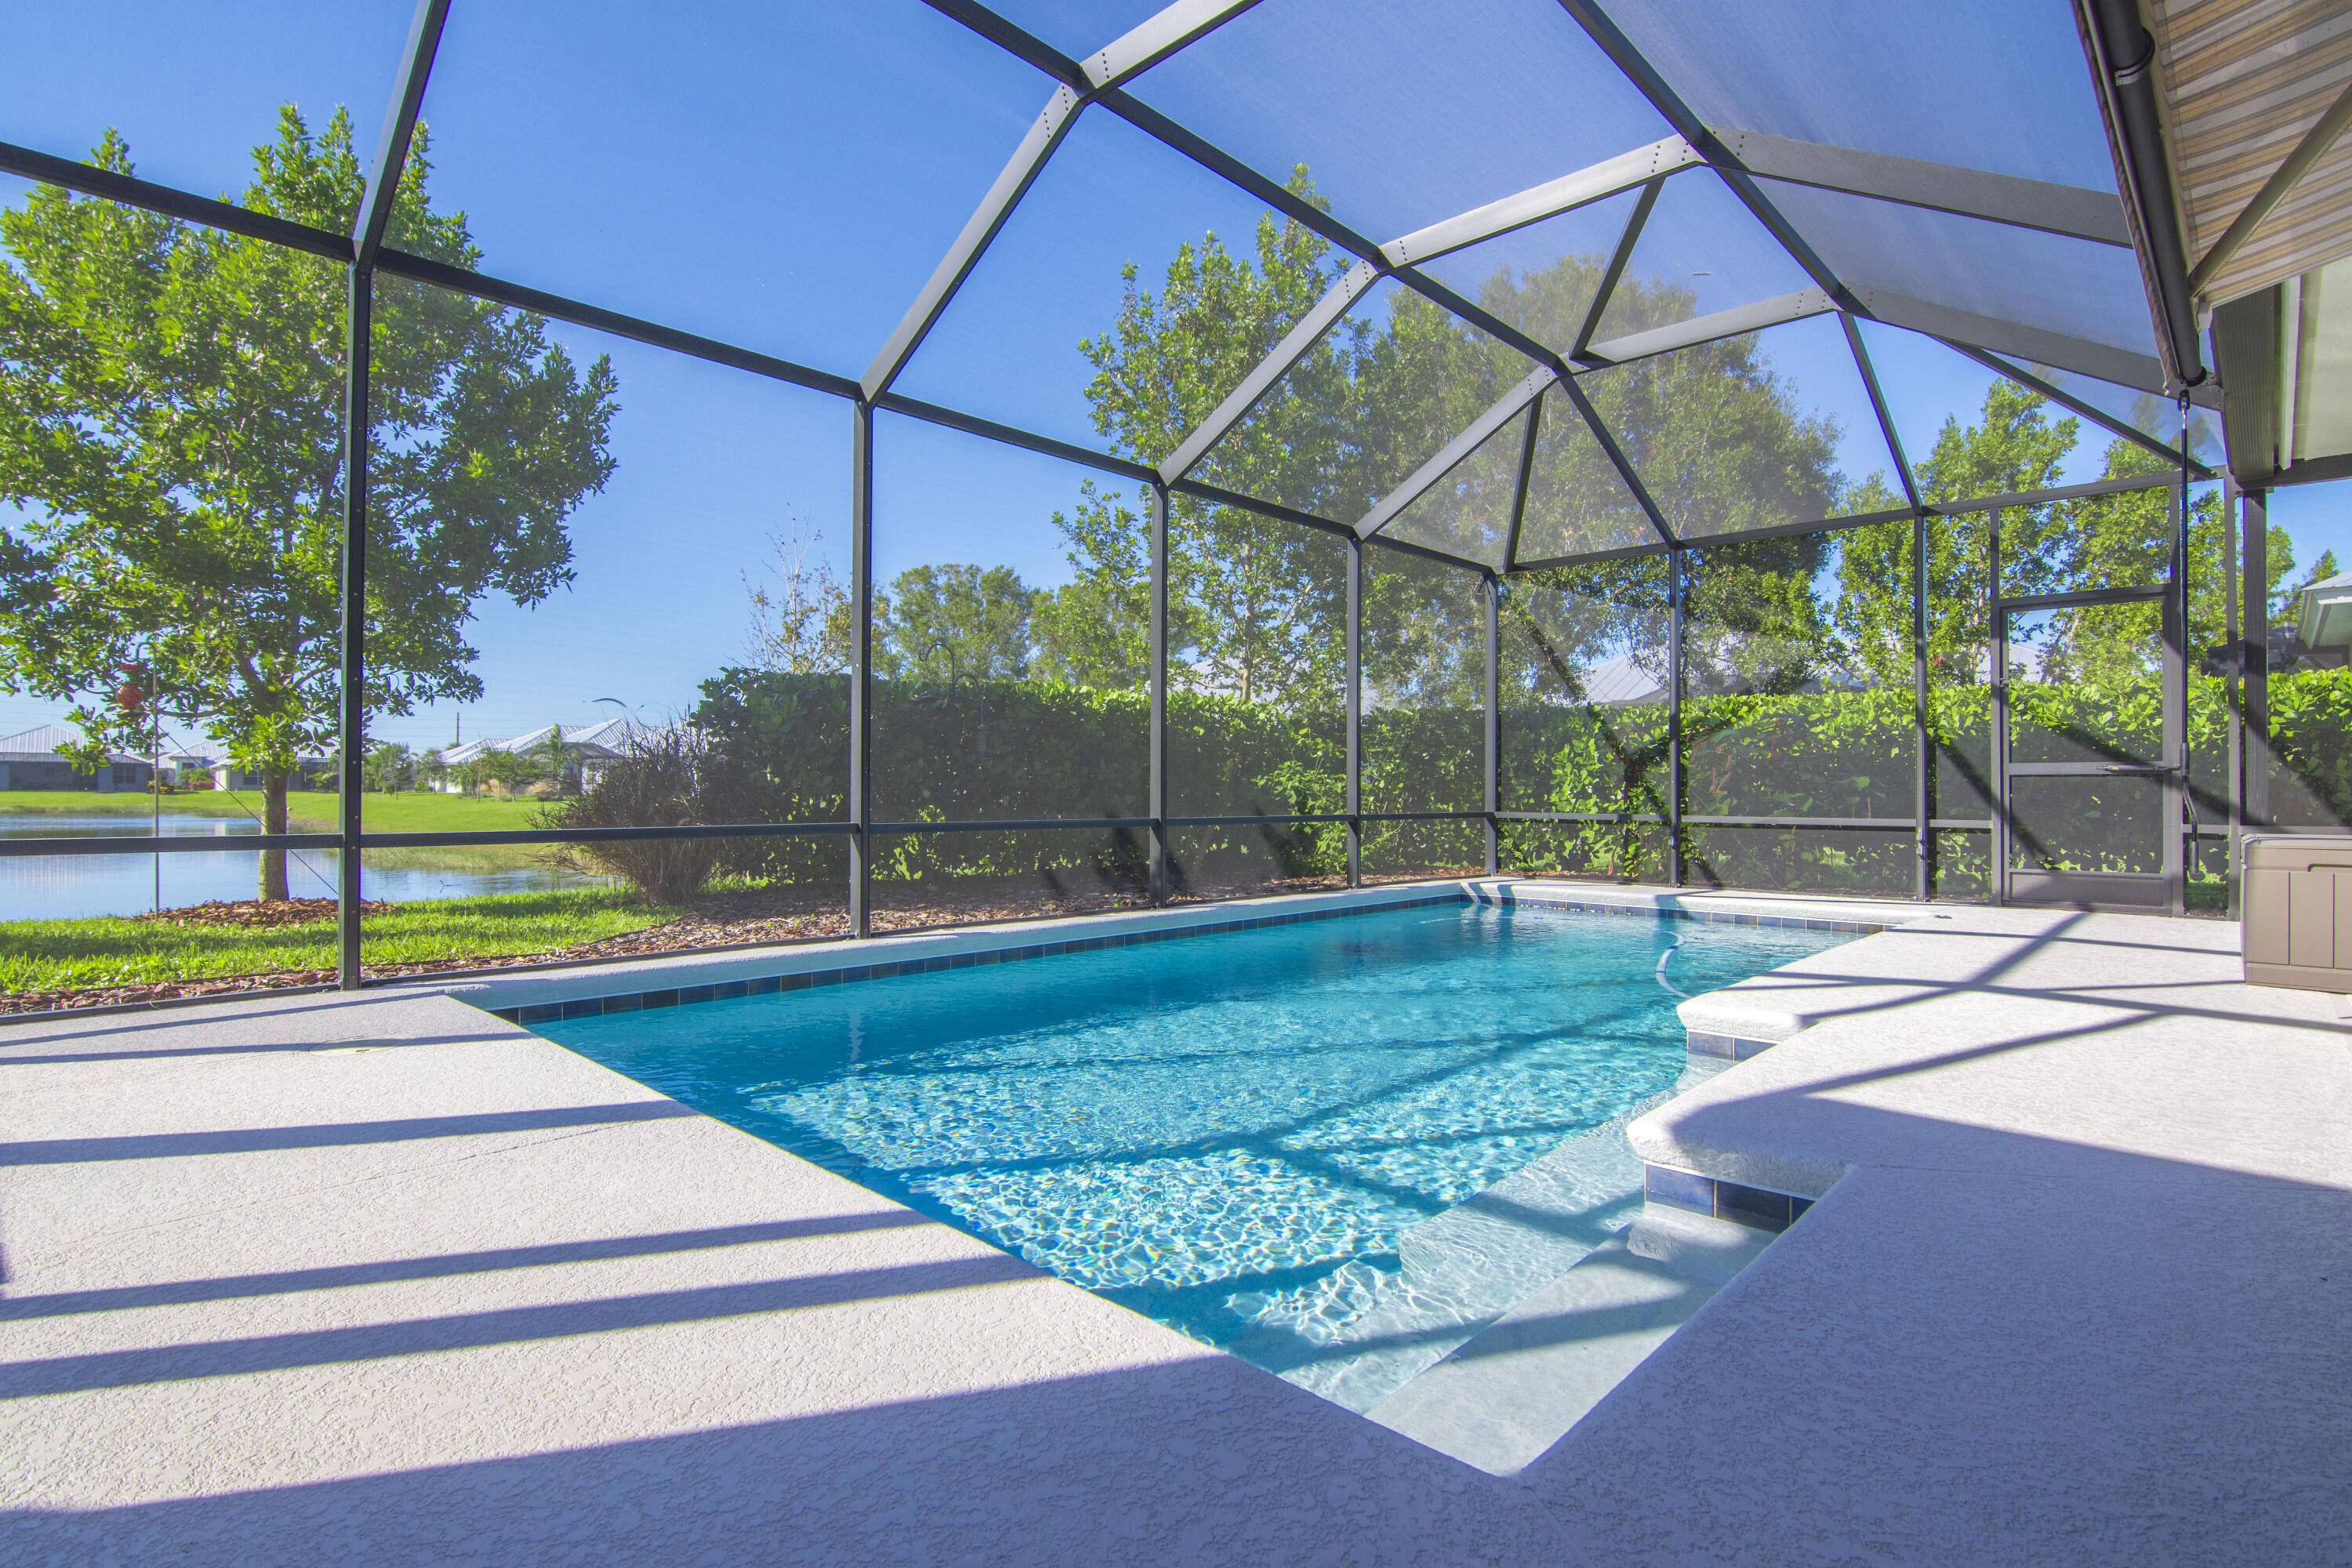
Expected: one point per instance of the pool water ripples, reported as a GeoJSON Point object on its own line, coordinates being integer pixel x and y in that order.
{"type": "Point", "coordinates": [1240, 1135]}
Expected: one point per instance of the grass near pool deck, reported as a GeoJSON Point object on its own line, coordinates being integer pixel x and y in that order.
{"type": "Point", "coordinates": [75, 954]}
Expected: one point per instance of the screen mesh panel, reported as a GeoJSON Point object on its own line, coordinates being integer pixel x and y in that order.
{"type": "Point", "coordinates": [1384, 391]}
{"type": "Point", "coordinates": [756, 144]}
{"type": "Point", "coordinates": [1949, 82]}
{"type": "Point", "coordinates": [1050, 333]}
{"type": "Point", "coordinates": [1403, 116]}
{"type": "Point", "coordinates": [1700, 251]}
{"type": "Point", "coordinates": [1467, 512]}
{"type": "Point", "coordinates": [191, 89]}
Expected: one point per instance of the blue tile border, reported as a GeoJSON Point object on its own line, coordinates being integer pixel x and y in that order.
{"type": "Point", "coordinates": [1721, 917]}
{"type": "Point", "coordinates": [1758, 1208]}
{"type": "Point", "coordinates": [637, 1001]}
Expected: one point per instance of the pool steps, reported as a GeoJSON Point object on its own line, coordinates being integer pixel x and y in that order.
{"type": "Point", "coordinates": [1463, 1269]}
{"type": "Point", "coordinates": [1504, 1396]}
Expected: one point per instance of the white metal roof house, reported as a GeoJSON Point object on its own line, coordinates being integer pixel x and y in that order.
{"type": "Point", "coordinates": [596, 746]}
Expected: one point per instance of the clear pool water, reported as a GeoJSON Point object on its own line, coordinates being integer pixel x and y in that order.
{"type": "Point", "coordinates": [1233, 1133]}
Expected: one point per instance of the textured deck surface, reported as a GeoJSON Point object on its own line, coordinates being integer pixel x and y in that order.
{"type": "Point", "coordinates": [318, 1279]}
{"type": "Point", "coordinates": [2080, 1287]}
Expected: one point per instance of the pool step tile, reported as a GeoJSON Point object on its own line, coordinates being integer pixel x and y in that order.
{"type": "Point", "coordinates": [1730, 1047]}
{"type": "Point", "coordinates": [1502, 1398]}
{"type": "Point", "coordinates": [1760, 1208]}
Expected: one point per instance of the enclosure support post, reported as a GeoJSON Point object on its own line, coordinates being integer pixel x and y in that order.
{"type": "Point", "coordinates": [2254, 655]}
{"type": "Point", "coordinates": [861, 666]}
{"type": "Point", "coordinates": [1354, 793]}
{"type": "Point", "coordinates": [2176, 693]}
{"type": "Point", "coordinates": [1998, 679]}
{"type": "Point", "coordinates": [1491, 596]}
{"type": "Point", "coordinates": [2233, 688]}
{"type": "Point", "coordinates": [1161, 877]}
{"type": "Point", "coordinates": [352, 726]}
{"type": "Point", "coordinates": [1923, 779]}
{"type": "Point", "coordinates": [1675, 717]}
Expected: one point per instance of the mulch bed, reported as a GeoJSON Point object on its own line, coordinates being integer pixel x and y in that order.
{"type": "Point", "coordinates": [729, 920]}
{"type": "Point", "coordinates": [251, 914]}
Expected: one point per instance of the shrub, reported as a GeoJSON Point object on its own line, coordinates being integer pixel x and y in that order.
{"type": "Point", "coordinates": [667, 779]}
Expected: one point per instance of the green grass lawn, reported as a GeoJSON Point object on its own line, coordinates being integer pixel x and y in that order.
{"type": "Point", "coordinates": [420, 812]}
{"type": "Point", "coordinates": [57, 955]}
{"type": "Point", "coordinates": [314, 811]}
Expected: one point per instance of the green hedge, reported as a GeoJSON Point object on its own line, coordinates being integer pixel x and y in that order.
{"type": "Point", "coordinates": [1023, 749]}
{"type": "Point", "coordinates": [1017, 751]}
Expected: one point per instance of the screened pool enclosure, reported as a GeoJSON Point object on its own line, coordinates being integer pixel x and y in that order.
{"type": "Point", "coordinates": [1070, 457]}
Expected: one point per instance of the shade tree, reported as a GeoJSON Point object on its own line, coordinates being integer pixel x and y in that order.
{"type": "Point", "coordinates": [171, 447]}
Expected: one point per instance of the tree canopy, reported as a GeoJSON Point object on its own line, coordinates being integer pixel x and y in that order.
{"type": "Point", "coordinates": [170, 425]}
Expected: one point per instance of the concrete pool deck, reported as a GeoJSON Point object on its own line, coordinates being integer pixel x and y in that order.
{"type": "Point", "coordinates": [385, 1278]}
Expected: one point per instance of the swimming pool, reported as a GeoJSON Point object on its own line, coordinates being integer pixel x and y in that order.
{"type": "Point", "coordinates": [1244, 1135]}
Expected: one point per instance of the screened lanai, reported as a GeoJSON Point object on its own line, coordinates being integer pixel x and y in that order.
{"type": "Point", "coordinates": [786, 474]}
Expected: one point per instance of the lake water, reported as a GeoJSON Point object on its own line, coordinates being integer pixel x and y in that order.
{"type": "Point", "coordinates": [74, 887]}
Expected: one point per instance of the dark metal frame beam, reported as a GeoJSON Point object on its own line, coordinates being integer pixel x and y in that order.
{"type": "Point", "coordinates": [1644, 166]}
{"type": "Point", "coordinates": [1617, 459]}
{"type": "Point", "coordinates": [1353, 790]}
{"type": "Point", "coordinates": [1156, 37]}
{"type": "Point", "coordinates": [1490, 594]}
{"type": "Point", "coordinates": [1923, 736]}
{"type": "Point", "coordinates": [1749, 317]}
{"type": "Point", "coordinates": [1129, 55]}
{"type": "Point", "coordinates": [1303, 336]}
{"type": "Point", "coordinates": [2074, 211]}
{"type": "Point", "coordinates": [1840, 524]}
{"type": "Point", "coordinates": [1012, 181]}
{"type": "Point", "coordinates": [1878, 407]}
{"type": "Point", "coordinates": [2102, 362]}
{"type": "Point", "coordinates": [383, 187]}
{"type": "Point", "coordinates": [391, 160]}
{"type": "Point", "coordinates": [1157, 678]}
{"type": "Point", "coordinates": [1677, 593]}
{"type": "Point", "coordinates": [1652, 85]}
{"type": "Point", "coordinates": [2067, 400]}
{"type": "Point", "coordinates": [351, 727]}
{"type": "Point", "coordinates": [1627, 238]}
{"type": "Point", "coordinates": [860, 802]}
{"type": "Point", "coordinates": [2254, 655]}
{"type": "Point", "coordinates": [47, 169]}
{"type": "Point", "coordinates": [1454, 453]}
{"type": "Point", "coordinates": [1526, 475]}
{"type": "Point", "coordinates": [539, 302]}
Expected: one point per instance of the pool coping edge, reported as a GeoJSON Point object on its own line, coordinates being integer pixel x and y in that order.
{"type": "Point", "coordinates": [690, 978]}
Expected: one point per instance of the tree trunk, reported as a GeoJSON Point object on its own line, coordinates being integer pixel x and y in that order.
{"type": "Point", "coordinates": [273, 820]}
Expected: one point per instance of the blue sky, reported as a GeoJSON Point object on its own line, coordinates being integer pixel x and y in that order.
{"type": "Point", "coordinates": [786, 176]}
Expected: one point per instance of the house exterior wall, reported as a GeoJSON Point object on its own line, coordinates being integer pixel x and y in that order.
{"type": "Point", "coordinates": [49, 771]}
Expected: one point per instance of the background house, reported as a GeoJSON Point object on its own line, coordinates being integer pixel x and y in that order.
{"type": "Point", "coordinates": [31, 759]}
{"type": "Point", "coordinates": [589, 749]}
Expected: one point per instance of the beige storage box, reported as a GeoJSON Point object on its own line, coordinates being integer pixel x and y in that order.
{"type": "Point", "coordinates": [2298, 913]}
